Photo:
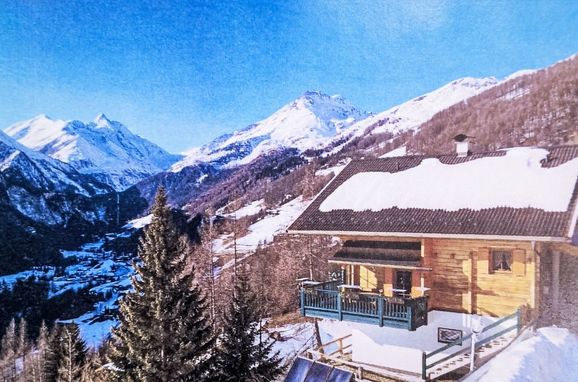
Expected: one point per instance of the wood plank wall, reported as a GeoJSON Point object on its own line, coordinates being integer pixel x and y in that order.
{"type": "Point", "coordinates": [461, 280]}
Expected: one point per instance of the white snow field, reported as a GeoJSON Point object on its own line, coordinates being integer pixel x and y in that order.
{"type": "Point", "coordinates": [550, 354]}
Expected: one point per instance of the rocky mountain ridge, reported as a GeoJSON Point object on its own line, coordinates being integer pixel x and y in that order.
{"type": "Point", "coordinates": [102, 148]}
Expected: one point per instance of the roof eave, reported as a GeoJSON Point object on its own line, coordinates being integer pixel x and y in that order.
{"type": "Point", "coordinates": [573, 221]}
{"type": "Point", "coordinates": [432, 235]}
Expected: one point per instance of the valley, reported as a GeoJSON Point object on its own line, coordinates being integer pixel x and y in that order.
{"type": "Point", "coordinates": [75, 197]}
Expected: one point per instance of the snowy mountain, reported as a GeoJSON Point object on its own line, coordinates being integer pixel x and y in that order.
{"type": "Point", "coordinates": [411, 114]}
{"type": "Point", "coordinates": [316, 120]}
{"type": "Point", "coordinates": [103, 148]}
{"type": "Point", "coordinates": [306, 123]}
{"type": "Point", "coordinates": [21, 167]}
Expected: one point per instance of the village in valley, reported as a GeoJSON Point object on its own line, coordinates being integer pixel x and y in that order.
{"type": "Point", "coordinates": [435, 240]}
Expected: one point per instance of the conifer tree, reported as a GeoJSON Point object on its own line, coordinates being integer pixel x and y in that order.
{"type": "Point", "coordinates": [8, 353]}
{"type": "Point", "coordinates": [244, 356]}
{"type": "Point", "coordinates": [164, 333]}
{"type": "Point", "coordinates": [23, 349]}
{"type": "Point", "coordinates": [73, 354]}
{"type": "Point", "coordinates": [52, 355]}
{"type": "Point", "coordinates": [95, 370]}
{"type": "Point", "coordinates": [38, 357]}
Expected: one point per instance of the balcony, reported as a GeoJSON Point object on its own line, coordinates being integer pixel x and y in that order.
{"type": "Point", "coordinates": [325, 300]}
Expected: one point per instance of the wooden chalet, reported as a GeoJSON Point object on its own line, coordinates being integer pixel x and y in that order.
{"type": "Point", "coordinates": [468, 233]}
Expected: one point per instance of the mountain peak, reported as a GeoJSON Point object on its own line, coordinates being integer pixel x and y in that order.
{"type": "Point", "coordinates": [312, 96]}
{"type": "Point", "coordinates": [306, 123]}
{"type": "Point", "coordinates": [42, 117]}
{"type": "Point", "coordinates": [101, 120]}
{"type": "Point", "coordinates": [104, 148]}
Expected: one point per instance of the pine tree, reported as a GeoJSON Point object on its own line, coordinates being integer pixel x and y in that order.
{"type": "Point", "coordinates": [23, 350]}
{"type": "Point", "coordinates": [52, 355]}
{"type": "Point", "coordinates": [38, 357]}
{"type": "Point", "coordinates": [8, 353]}
{"type": "Point", "coordinates": [73, 358]}
{"type": "Point", "coordinates": [95, 370]}
{"type": "Point", "coordinates": [164, 333]}
{"type": "Point", "coordinates": [243, 355]}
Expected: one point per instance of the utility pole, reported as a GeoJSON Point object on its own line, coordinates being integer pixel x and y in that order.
{"type": "Point", "coordinates": [234, 249]}
{"type": "Point", "coordinates": [212, 268]}
{"type": "Point", "coordinates": [310, 258]}
{"type": "Point", "coordinates": [117, 209]}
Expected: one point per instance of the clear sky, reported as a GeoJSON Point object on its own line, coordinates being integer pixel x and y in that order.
{"type": "Point", "coordinates": [183, 72]}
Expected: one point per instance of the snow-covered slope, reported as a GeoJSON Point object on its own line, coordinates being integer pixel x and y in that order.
{"type": "Point", "coordinates": [549, 354]}
{"type": "Point", "coordinates": [39, 187]}
{"type": "Point", "coordinates": [308, 122]}
{"type": "Point", "coordinates": [103, 148]}
{"type": "Point", "coordinates": [413, 113]}
{"type": "Point", "coordinates": [42, 172]}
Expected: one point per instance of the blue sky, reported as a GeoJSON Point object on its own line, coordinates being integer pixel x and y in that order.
{"type": "Point", "coordinates": [183, 72]}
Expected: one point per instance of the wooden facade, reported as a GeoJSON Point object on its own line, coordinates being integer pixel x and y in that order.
{"type": "Point", "coordinates": [488, 261]}
{"type": "Point", "coordinates": [456, 276]}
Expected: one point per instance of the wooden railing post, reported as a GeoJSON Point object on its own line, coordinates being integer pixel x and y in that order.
{"type": "Point", "coordinates": [423, 365]}
{"type": "Point", "coordinates": [339, 311]}
{"type": "Point", "coordinates": [340, 346]}
{"type": "Point", "coordinates": [426, 310]}
{"type": "Point", "coordinates": [410, 325]}
{"type": "Point", "coordinates": [519, 320]}
{"type": "Point", "coordinates": [302, 301]}
{"type": "Point", "coordinates": [380, 310]}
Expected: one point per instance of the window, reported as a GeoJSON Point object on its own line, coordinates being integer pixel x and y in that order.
{"type": "Point", "coordinates": [501, 261]}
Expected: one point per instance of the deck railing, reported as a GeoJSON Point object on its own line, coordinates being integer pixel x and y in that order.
{"type": "Point", "coordinates": [324, 300]}
{"type": "Point", "coordinates": [515, 324]}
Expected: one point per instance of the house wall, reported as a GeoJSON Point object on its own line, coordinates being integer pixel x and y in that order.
{"type": "Point", "coordinates": [461, 281]}
{"type": "Point", "coordinates": [371, 278]}
{"type": "Point", "coordinates": [374, 279]}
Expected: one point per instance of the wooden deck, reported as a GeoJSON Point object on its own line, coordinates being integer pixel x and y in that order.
{"type": "Point", "coordinates": [326, 301]}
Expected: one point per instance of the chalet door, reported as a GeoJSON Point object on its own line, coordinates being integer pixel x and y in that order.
{"type": "Point", "coordinates": [402, 283]}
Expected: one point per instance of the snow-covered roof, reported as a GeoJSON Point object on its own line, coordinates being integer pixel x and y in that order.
{"type": "Point", "coordinates": [515, 192]}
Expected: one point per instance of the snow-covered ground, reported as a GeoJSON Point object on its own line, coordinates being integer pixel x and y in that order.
{"type": "Point", "coordinates": [107, 273]}
{"type": "Point", "coordinates": [9, 280]}
{"type": "Point", "coordinates": [335, 170]}
{"type": "Point", "coordinates": [104, 272]}
{"type": "Point", "coordinates": [551, 354]}
{"type": "Point", "coordinates": [263, 231]}
{"type": "Point", "coordinates": [399, 152]}
{"type": "Point", "coordinates": [294, 339]}
{"type": "Point", "coordinates": [250, 209]}
{"type": "Point", "coordinates": [139, 222]}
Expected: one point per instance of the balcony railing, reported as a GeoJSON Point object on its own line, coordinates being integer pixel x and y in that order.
{"type": "Point", "coordinates": [326, 301]}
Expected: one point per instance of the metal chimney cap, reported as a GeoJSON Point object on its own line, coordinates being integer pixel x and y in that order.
{"type": "Point", "coordinates": [461, 138]}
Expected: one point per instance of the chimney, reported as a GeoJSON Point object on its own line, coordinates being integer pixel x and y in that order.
{"type": "Point", "coordinates": [462, 145]}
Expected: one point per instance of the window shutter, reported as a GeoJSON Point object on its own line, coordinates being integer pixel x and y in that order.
{"type": "Point", "coordinates": [483, 261]}
{"type": "Point", "coordinates": [519, 262]}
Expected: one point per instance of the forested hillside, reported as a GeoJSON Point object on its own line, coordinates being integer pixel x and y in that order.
{"type": "Point", "coordinates": [536, 109]}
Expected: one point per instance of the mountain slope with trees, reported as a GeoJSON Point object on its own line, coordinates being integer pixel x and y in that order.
{"type": "Point", "coordinates": [535, 109]}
